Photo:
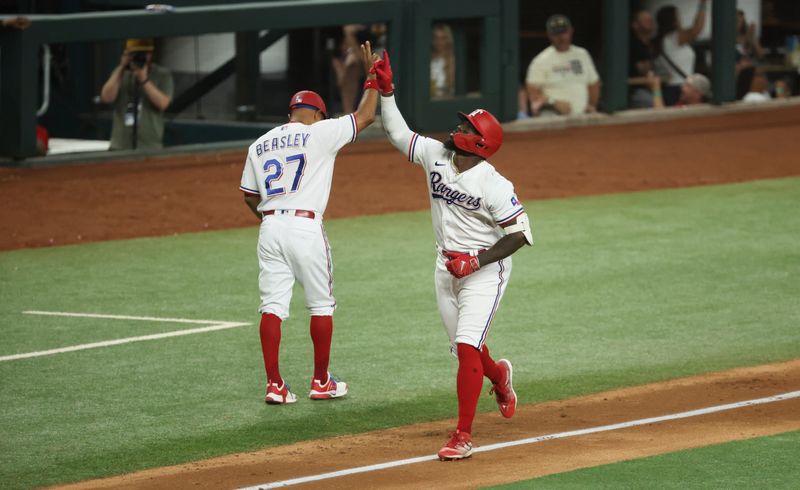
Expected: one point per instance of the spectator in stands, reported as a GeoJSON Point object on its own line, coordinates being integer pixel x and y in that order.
{"type": "Point", "coordinates": [748, 49]}
{"type": "Point", "coordinates": [562, 79]}
{"type": "Point", "coordinates": [42, 135]}
{"type": "Point", "coordinates": [141, 91]}
{"type": "Point", "coordinates": [695, 89]}
{"type": "Point", "coordinates": [347, 67]}
{"type": "Point", "coordinates": [675, 56]}
{"type": "Point", "coordinates": [379, 35]}
{"type": "Point", "coordinates": [783, 88]}
{"type": "Point", "coordinates": [643, 27]}
{"type": "Point", "coordinates": [523, 106]}
{"type": "Point", "coordinates": [443, 62]}
{"type": "Point", "coordinates": [752, 85]}
{"type": "Point", "coordinates": [18, 22]}
{"type": "Point", "coordinates": [42, 140]}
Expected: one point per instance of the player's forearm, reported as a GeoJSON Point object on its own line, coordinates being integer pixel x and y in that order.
{"type": "Point", "coordinates": [252, 203]}
{"type": "Point", "coordinates": [503, 248]}
{"type": "Point", "coordinates": [365, 113]}
{"type": "Point", "coordinates": [393, 123]}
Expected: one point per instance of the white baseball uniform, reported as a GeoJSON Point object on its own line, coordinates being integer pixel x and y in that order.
{"type": "Point", "coordinates": [291, 168]}
{"type": "Point", "coordinates": [467, 210]}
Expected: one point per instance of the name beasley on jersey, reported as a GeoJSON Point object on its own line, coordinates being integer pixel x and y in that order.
{"type": "Point", "coordinates": [452, 196]}
{"type": "Point", "coordinates": [285, 141]}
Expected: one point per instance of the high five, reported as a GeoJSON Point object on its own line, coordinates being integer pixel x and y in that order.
{"type": "Point", "coordinates": [478, 223]}
{"type": "Point", "coordinates": [286, 183]}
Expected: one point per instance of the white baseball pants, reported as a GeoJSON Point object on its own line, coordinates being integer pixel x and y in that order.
{"type": "Point", "coordinates": [468, 305]}
{"type": "Point", "coordinates": [294, 248]}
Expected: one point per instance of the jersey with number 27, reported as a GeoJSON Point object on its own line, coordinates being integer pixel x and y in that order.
{"type": "Point", "coordinates": [291, 166]}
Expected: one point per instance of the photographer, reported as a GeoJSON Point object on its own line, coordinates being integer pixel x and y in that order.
{"type": "Point", "coordinates": [140, 91]}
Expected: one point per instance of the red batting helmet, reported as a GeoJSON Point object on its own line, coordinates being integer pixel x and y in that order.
{"type": "Point", "coordinates": [310, 100]}
{"type": "Point", "coordinates": [488, 139]}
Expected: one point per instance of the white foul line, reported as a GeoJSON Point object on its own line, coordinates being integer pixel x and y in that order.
{"type": "Point", "coordinates": [212, 326]}
{"type": "Point", "coordinates": [531, 440]}
{"type": "Point", "coordinates": [125, 317]}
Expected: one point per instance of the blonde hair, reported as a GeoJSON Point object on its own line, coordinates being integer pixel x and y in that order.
{"type": "Point", "coordinates": [448, 55]}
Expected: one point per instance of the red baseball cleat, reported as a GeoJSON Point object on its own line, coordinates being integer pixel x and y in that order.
{"type": "Point", "coordinates": [330, 389]}
{"type": "Point", "coordinates": [504, 391]}
{"type": "Point", "coordinates": [279, 395]}
{"type": "Point", "coordinates": [458, 447]}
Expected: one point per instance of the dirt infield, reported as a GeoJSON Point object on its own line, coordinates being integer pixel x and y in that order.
{"type": "Point", "coordinates": [75, 204]}
{"type": "Point", "coordinates": [520, 462]}
{"type": "Point", "coordinates": [163, 196]}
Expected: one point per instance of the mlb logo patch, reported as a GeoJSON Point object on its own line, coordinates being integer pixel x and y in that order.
{"type": "Point", "coordinates": [514, 201]}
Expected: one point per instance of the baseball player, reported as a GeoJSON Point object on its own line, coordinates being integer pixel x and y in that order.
{"type": "Point", "coordinates": [478, 223]}
{"type": "Point", "coordinates": [286, 183]}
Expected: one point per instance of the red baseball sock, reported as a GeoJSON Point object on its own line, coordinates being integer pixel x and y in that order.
{"type": "Point", "coordinates": [490, 369]}
{"type": "Point", "coordinates": [270, 346]}
{"type": "Point", "coordinates": [321, 333]}
{"type": "Point", "coordinates": [468, 385]}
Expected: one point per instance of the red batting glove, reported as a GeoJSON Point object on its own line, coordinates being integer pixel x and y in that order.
{"type": "Point", "coordinates": [461, 265]}
{"type": "Point", "coordinates": [383, 72]}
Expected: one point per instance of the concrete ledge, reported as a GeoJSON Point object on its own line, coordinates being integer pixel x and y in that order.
{"type": "Point", "coordinates": [644, 115]}
{"type": "Point", "coordinates": [375, 132]}
{"type": "Point", "coordinates": [123, 155]}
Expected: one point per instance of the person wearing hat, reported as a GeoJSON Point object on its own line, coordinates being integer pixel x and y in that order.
{"type": "Point", "coordinates": [140, 91]}
{"type": "Point", "coordinates": [695, 89]}
{"type": "Point", "coordinates": [562, 79]}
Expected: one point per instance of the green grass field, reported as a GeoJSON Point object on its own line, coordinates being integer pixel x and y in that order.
{"type": "Point", "coordinates": [764, 462]}
{"type": "Point", "coordinates": [619, 290]}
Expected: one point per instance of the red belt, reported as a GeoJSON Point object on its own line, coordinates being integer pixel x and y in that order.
{"type": "Point", "coordinates": [297, 212]}
{"type": "Point", "coordinates": [476, 252]}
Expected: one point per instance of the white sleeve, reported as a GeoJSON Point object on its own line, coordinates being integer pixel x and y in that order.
{"type": "Point", "coordinates": [412, 144]}
{"type": "Point", "coordinates": [591, 72]}
{"type": "Point", "coordinates": [503, 203]}
{"type": "Point", "coordinates": [337, 132]}
{"type": "Point", "coordinates": [249, 182]}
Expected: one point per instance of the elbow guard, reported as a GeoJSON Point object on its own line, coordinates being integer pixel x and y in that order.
{"type": "Point", "coordinates": [523, 225]}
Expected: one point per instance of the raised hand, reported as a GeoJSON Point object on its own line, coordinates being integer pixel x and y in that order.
{"type": "Point", "coordinates": [368, 58]}
{"type": "Point", "coordinates": [382, 68]}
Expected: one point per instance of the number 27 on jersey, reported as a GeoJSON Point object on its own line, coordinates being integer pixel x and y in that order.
{"type": "Point", "coordinates": [275, 170]}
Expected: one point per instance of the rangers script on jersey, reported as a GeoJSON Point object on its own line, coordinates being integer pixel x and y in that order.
{"type": "Point", "coordinates": [467, 208]}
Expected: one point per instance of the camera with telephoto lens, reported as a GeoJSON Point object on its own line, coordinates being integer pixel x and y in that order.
{"type": "Point", "coordinates": [138, 59]}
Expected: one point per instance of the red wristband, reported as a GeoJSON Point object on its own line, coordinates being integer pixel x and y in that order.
{"type": "Point", "coordinates": [371, 84]}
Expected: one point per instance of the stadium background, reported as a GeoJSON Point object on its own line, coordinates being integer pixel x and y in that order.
{"type": "Point", "coordinates": [667, 250]}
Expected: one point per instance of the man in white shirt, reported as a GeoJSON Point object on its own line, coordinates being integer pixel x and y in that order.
{"type": "Point", "coordinates": [562, 79]}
